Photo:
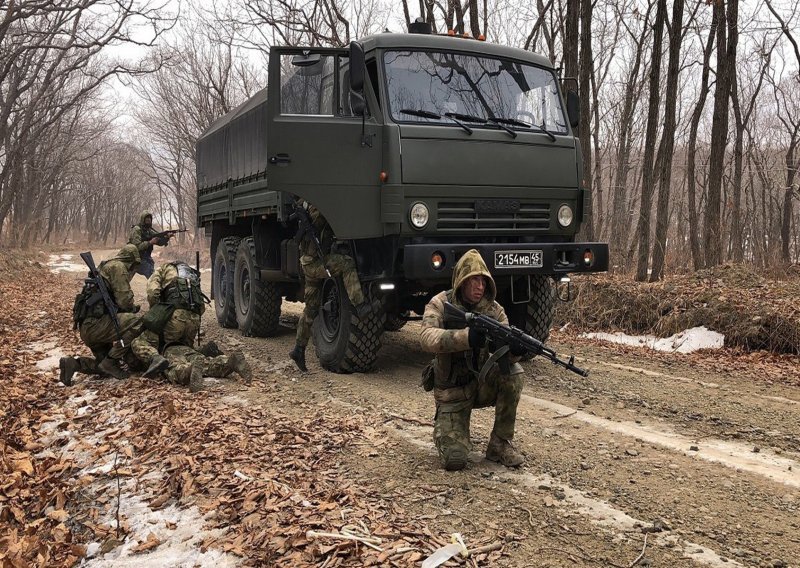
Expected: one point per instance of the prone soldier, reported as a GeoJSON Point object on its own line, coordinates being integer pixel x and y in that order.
{"type": "Point", "coordinates": [96, 324]}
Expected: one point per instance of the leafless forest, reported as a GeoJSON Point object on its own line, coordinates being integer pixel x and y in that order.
{"type": "Point", "coordinates": [690, 110]}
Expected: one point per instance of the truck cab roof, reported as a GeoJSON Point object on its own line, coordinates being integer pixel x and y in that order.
{"type": "Point", "coordinates": [451, 43]}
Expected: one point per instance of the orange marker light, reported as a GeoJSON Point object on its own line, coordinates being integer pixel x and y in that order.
{"type": "Point", "coordinates": [451, 32]}
{"type": "Point", "coordinates": [588, 257]}
{"type": "Point", "coordinates": [466, 35]}
{"type": "Point", "coordinates": [437, 260]}
{"type": "Point", "coordinates": [481, 37]}
{"type": "Point", "coordinates": [384, 177]}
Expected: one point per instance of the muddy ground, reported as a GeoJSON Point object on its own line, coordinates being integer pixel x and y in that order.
{"type": "Point", "coordinates": [659, 460]}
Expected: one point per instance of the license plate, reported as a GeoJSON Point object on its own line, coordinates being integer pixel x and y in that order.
{"type": "Point", "coordinates": [518, 258]}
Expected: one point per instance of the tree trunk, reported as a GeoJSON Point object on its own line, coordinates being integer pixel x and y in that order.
{"type": "Point", "coordinates": [667, 147]}
{"type": "Point", "coordinates": [648, 171]}
{"type": "Point", "coordinates": [726, 56]}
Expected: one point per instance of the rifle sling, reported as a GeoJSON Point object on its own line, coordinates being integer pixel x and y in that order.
{"type": "Point", "coordinates": [493, 358]}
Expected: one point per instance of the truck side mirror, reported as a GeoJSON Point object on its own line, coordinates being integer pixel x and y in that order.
{"type": "Point", "coordinates": [306, 59]}
{"type": "Point", "coordinates": [358, 70]}
{"type": "Point", "coordinates": [573, 109]}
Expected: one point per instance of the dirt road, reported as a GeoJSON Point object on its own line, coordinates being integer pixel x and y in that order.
{"type": "Point", "coordinates": [667, 460]}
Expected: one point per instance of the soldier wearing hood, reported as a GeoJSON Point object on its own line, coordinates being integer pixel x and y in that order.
{"type": "Point", "coordinates": [96, 327]}
{"type": "Point", "coordinates": [143, 237]}
{"type": "Point", "coordinates": [459, 384]}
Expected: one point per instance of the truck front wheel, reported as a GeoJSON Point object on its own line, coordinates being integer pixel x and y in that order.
{"type": "Point", "coordinates": [258, 303]}
{"type": "Point", "coordinates": [344, 342]}
{"type": "Point", "coordinates": [536, 316]}
{"type": "Point", "coordinates": [224, 263]}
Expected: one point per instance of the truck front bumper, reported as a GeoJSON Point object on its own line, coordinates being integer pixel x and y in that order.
{"type": "Point", "coordinates": [506, 259]}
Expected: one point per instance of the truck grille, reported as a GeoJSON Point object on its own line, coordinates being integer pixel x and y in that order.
{"type": "Point", "coordinates": [462, 215]}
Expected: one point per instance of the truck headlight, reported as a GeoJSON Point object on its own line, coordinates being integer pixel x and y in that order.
{"type": "Point", "coordinates": [419, 215]}
{"type": "Point", "coordinates": [565, 216]}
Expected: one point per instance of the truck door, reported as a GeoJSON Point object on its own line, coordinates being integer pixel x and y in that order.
{"type": "Point", "coordinates": [317, 148]}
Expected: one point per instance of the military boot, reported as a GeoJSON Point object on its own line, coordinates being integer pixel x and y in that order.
{"type": "Point", "coordinates": [210, 349]}
{"type": "Point", "coordinates": [196, 377]}
{"type": "Point", "coordinates": [157, 365]}
{"type": "Point", "coordinates": [67, 367]}
{"type": "Point", "coordinates": [453, 456]}
{"type": "Point", "coordinates": [241, 366]}
{"type": "Point", "coordinates": [111, 367]}
{"type": "Point", "coordinates": [298, 355]}
{"type": "Point", "coordinates": [503, 451]}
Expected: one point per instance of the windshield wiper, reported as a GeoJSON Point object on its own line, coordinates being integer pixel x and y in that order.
{"type": "Point", "coordinates": [420, 112]}
{"type": "Point", "coordinates": [457, 118]}
{"type": "Point", "coordinates": [515, 122]}
{"type": "Point", "coordinates": [501, 122]}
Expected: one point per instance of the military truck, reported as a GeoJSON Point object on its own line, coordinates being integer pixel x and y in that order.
{"type": "Point", "coordinates": [416, 148]}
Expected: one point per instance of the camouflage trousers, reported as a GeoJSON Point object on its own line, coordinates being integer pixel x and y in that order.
{"type": "Point", "coordinates": [181, 358]}
{"type": "Point", "coordinates": [454, 408]}
{"type": "Point", "coordinates": [315, 275]}
{"type": "Point", "coordinates": [101, 338]}
{"type": "Point", "coordinates": [181, 328]}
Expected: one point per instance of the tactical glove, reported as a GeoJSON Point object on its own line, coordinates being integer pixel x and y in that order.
{"type": "Point", "coordinates": [477, 338]}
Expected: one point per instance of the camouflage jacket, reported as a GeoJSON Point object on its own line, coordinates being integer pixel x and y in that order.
{"type": "Point", "coordinates": [140, 236]}
{"type": "Point", "coordinates": [118, 272]}
{"type": "Point", "coordinates": [165, 276]}
{"type": "Point", "coordinates": [453, 365]}
{"type": "Point", "coordinates": [308, 250]}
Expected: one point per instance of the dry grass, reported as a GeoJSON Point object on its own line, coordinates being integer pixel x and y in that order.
{"type": "Point", "coordinates": [752, 311]}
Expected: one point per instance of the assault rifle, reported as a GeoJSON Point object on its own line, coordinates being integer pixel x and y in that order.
{"type": "Point", "coordinates": [165, 236]}
{"type": "Point", "coordinates": [516, 339]}
{"type": "Point", "coordinates": [305, 228]}
{"type": "Point", "coordinates": [97, 279]}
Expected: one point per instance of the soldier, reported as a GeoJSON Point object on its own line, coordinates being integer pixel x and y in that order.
{"type": "Point", "coordinates": [143, 237]}
{"type": "Point", "coordinates": [188, 366]}
{"type": "Point", "coordinates": [171, 325]}
{"type": "Point", "coordinates": [460, 382]}
{"type": "Point", "coordinates": [97, 330]}
{"type": "Point", "coordinates": [314, 273]}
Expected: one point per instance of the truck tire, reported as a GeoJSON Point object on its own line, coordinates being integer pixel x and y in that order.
{"type": "Point", "coordinates": [224, 264]}
{"type": "Point", "coordinates": [394, 322]}
{"type": "Point", "coordinates": [536, 317]}
{"type": "Point", "coordinates": [344, 342]}
{"type": "Point", "coordinates": [258, 304]}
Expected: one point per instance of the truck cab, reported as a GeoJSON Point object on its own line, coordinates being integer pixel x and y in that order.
{"type": "Point", "coordinates": [416, 148]}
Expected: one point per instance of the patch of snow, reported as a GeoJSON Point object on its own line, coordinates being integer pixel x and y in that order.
{"type": "Point", "coordinates": [62, 263]}
{"type": "Point", "coordinates": [180, 546]}
{"type": "Point", "coordinates": [51, 352]}
{"type": "Point", "coordinates": [684, 342]}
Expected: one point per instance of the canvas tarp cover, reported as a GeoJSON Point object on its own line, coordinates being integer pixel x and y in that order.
{"type": "Point", "coordinates": [235, 145]}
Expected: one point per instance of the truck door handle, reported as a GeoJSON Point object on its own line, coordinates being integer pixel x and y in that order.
{"type": "Point", "coordinates": [280, 159]}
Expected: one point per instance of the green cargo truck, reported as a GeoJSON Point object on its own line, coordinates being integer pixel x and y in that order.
{"type": "Point", "coordinates": [416, 148]}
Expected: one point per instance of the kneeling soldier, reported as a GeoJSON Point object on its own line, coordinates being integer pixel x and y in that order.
{"type": "Point", "coordinates": [91, 316]}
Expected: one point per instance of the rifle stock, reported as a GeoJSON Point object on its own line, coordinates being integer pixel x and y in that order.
{"type": "Point", "coordinates": [502, 334]}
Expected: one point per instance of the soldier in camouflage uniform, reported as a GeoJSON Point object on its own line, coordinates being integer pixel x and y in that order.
{"type": "Point", "coordinates": [143, 237]}
{"type": "Point", "coordinates": [96, 326]}
{"type": "Point", "coordinates": [314, 274]}
{"type": "Point", "coordinates": [460, 382]}
{"type": "Point", "coordinates": [171, 325]}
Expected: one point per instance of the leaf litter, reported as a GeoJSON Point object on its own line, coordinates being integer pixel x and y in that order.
{"type": "Point", "coordinates": [138, 471]}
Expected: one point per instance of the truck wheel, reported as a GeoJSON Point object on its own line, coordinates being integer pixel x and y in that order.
{"type": "Point", "coordinates": [258, 304]}
{"type": "Point", "coordinates": [344, 342]}
{"type": "Point", "coordinates": [224, 262]}
{"type": "Point", "coordinates": [536, 316]}
{"type": "Point", "coordinates": [394, 322]}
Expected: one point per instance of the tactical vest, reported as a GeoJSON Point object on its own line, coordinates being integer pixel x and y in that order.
{"type": "Point", "coordinates": [88, 302]}
{"type": "Point", "coordinates": [184, 292]}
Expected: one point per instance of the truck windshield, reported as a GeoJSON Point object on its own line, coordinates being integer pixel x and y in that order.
{"type": "Point", "coordinates": [437, 84]}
